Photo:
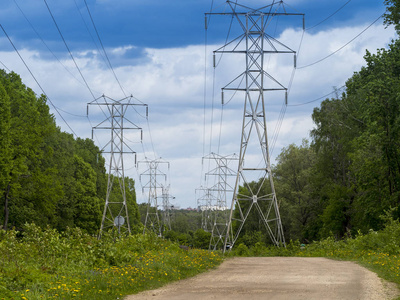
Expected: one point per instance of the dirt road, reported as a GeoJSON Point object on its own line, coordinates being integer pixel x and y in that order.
{"type": "Point", "coordinates": [278, 278]}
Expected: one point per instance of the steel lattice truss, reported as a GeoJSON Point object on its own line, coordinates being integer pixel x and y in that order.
{"type": "Point", "coordinates": [257, 191]}
{"type": "Point", "coordinates": [167, 207]}
{"type": "Point", "coordinates": [115, 214]}
{"type": "Point", "coordinates": [218, 211]}
{"type": "Point", "coordinates": [154, 186]}
{"type": "Point", "coordinates": [204, 204]}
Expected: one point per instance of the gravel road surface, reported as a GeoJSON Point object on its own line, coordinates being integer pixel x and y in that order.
{"type": "Point", "coordinates": [279, 278]}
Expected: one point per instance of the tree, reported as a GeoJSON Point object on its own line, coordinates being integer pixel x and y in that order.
{"type": "Point", "coordinates": [47, 176]}
{"type": "Point", "coordinates": [293, 176]}
{"type": "Point", "coordinates": [393, 15]}
{"type": "Point", "coordinates": [5, 148]}
{"type": "Point", "coordinates": [201, 239]}
{"type": "Point", "coordinates": [87, 212]}
{"type": "Point", "coordinates": [28, 123]}
{"type": "Point", "coordinates": [376, 159]}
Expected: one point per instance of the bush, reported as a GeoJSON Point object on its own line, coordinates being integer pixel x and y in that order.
{"type": "Point", "coordinates": [241, 250]}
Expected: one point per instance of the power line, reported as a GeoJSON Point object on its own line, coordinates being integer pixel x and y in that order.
{"type": "Point", "coordinates": [320, 98]}
{"type": "Point", "coordinates": [87, 29]}
{"type": "Point", "coordinates": [5, 66]}
{"type": "Point", "coordinates": [42, 40]}
{"type": "Point", "coordinates": [322, 59]}
{"type": "Point", "coordinates": [331, 15]}
{"type": "Point", "coordinates": [102, 46]}
{"type": "Point", "coordinates": [116, 78]}
{"type": "Point", "coordinates": [69, 51]}
{"type": "Point", "coordinates": [16, 50]}
{"type": "Point", "coordinates": [284, 105]}
{"type": "Point", "coordinates": [73, 59]}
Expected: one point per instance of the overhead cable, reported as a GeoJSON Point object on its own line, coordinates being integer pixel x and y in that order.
{"type": "Point", "coordinates": [42, 40]}
{"type": "Point", "coordinates": [320, 98]}
{"type": "Point", "coordinates": [5, 66]}
{"type": "Point", "coordinates": [322, 59]}
{"type": "Point", "coordinates": [88, 30]}
{"type": "Point", "coordinates": [69, 51]}
{"type": "Point", "coordinates": [102, 46]}
{"type": "Point", "coordinates": [116, 78]}
{"type": "Point", "coordinates": [44, 93]}
{"type": "Point", "coordinates": [331, 15]}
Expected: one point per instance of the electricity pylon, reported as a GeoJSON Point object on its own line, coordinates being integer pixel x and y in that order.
{"type": "Point", "coordinates": [219, 216]}
{"type": "Point", "coordinates": [258, 191]}
{"type": "Point", "coordinates": [204, 204]}
{"type": "Point", "coordinates": [167, 207]}
{"type": "Point", "coordinates": [115, 213]}
{"type": "Point", "coordinates": [153, 172]}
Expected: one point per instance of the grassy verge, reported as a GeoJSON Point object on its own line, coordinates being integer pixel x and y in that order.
{"type": "Point", "coordinates": [44, 264]}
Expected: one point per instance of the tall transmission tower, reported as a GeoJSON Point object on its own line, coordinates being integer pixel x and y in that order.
{"type": "Point", "coordinates": [154, 186]}
{"type": "Point", "coordinates": [115, 214]}
{"type": "Point", "coordinates": [254, 43]}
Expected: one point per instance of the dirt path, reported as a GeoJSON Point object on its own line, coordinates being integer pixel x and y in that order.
{"type": "Point", "coordinates": [279, 278]}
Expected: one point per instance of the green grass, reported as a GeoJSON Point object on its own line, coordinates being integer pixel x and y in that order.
{"type": "Point", "coordinates": [44, 264]}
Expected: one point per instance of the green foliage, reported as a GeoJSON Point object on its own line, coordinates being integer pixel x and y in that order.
{"type": "Point", "coordinates": [201, 239]}
{"type": "Point", "coordinates": [356, 174]}
{"type": "Point", "coordinates": [294, 177]}
{"type": "Point", "coordinates": [392, 17]}
{"type": "Point", "coordinates": [184, 221]}
{"type": "Point", "coordinates": [241, 250]}
{"type": "Point", "coordinates": [5, 141]}
{"type": "Point", "coordinates": [88, 213]}
{"type": "Point", "coordinates": [72, 264]}
{"type": "Point", "coordinates": [46, 176]}
{"type": "Point", "coordinates": [251, 238]}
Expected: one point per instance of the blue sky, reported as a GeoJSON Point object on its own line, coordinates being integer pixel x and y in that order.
{"type": "Point", "coordinates": [155, 23]}
{"type": "Point", "coordinates": [158, 51]}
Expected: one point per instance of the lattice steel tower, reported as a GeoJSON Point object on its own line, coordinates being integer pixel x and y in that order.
{"type": "Point", "coordinates": [167, 207]}
{"type": "Point", "coordinates": [257, 191]}
{"type": "Point", "coordinates": [115, 214]}
{"type": "Point", "coordinates": [204, 204]}
{"type": "Point", "coordinates": [153, 172]}
{"type": "Point", "coordinates": [219, 216]}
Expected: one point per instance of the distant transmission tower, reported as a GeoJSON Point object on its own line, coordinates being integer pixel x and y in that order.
{"type": "Point", "coordinates": [219, 216]}
{"type": "Point", "coordinates": [115, 214]}
{"type": "Point", "coordinates": [204, 205]}
{"type": "Point", "coordinates": [154, 185]}
{"type": "Point", "coordinates": [167, 207]}
{"type": "Point", "coordinates": [258, 191]}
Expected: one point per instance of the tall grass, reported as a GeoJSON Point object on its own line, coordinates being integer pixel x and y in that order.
{"type": "Point", "coordinates": [45, 264]}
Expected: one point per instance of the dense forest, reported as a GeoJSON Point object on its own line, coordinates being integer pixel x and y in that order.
{"type": "Point", "coordinates": [338, 182]}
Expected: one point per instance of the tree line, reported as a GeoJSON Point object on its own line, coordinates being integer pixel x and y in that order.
{"type": "Point", "coordinates": [48, 177]}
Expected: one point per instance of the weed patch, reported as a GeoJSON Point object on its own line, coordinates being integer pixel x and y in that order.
{"type": "Point", "coordinates": [45, 264]}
